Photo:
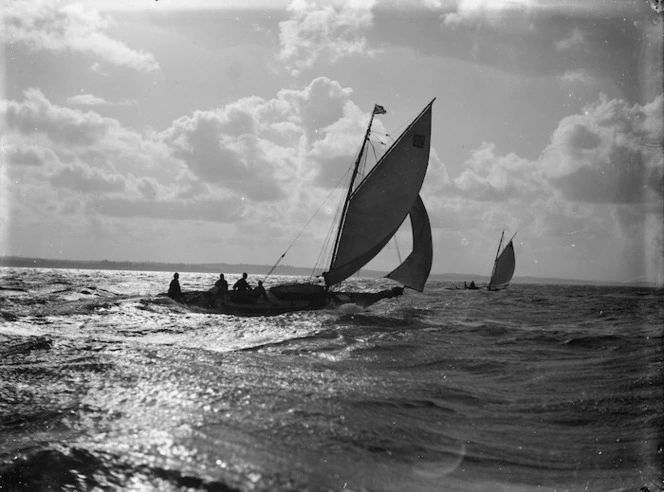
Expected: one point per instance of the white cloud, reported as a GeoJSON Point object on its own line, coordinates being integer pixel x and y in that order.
{"type": "Point", "coordinates": [29, 155]}
{"type": "Point", "coordinates": [86, 179]}
{"type": "Point", "coordinates": [57, 27]}
{"type": "Point", "coordinates": [82, 152]}
{"type": "Point", "coordinates": [36, 115]}
{"type": "Point", "coordinates": [87, 100]}
{"type": "Point", "coordinates": [595, 195]}
{"type": "Point", "coordinates": [575, 39]}
{"type": "Point", "coordinates": [498, 178]}
{"type": "Point", "coordinates": [92, 100]}
{"type": "Point", "coordinates": [572, 77]}
{"type": "Point", "coordinates": [611, 153]}
{"type": "Point", "coordinates": [484, 11]}
{"type": "Point", "coordinates": [267, 149]}
{"type": "Point", "coordinates": [251, 160]}
{"type": "Point", "coordinates": [604, 155]}
{"type": "Point", "coordinates": [221, 147]}
{"type": "Point", "coordinates": [333, 29]}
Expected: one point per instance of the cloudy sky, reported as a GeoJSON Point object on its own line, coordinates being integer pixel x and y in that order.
{"type": "Point", "coordinates": [150, 130]}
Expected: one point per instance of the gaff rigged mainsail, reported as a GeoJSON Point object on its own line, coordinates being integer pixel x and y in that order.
{"type": "Point", "coordinates": [379, 205]}
{"type": "Point", "coordinates": [503, 267]}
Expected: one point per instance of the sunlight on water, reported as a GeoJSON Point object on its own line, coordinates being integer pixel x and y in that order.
{"type": "Point", "coordinates": [105, 382]}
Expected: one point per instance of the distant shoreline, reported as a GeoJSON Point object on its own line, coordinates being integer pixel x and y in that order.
{"type": "Point", "coordinates": [25, 262]}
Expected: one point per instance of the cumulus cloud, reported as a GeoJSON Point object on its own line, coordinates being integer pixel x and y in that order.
{"type": "Point", "coordinates": [238, 159]}
{"type": "Point", "coordinates": [63, 125]}
{"type": "Point", "coordinates": [92, 100]}
{"type": "Point", "coordinates": [80, 152]}
{"type": "Point", "coordinates": [323, 28]}
{"type": "Point", "coordinates": [600, 181]}
{"type": "Point", "coordinates": [89, 180]}
{"type": "Point", "coordinates": [221, 147]}
{"type": "Point", "coordinates": [52, 26]}
{"type": "Point", "coordinates": [609, 154]}
{"type": "Point", "coordinates": [29, 155]}
{"type": "Point", "coordinates": [488, 13]}
{"type": "Point", "coordinates": [490, 177]}
{"type": "Point", "coordinates": [87, 100]}
{"type": "Point", "coordinates": [265, 149]}
{"type": "Point", "coordinates": [484, 11]}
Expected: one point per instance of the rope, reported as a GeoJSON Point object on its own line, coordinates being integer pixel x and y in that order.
{"type": "Point", "coordinates": [303, 229]}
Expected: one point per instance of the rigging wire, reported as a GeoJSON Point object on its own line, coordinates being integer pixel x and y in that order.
{"type": "Point", "coordinates": [329, 234]}
{"type": "Point", "coordinates": [305, 226]}
{"type": "Point", "coordinates": [337, 218]}
{"type": "Point", "coordinates": [325, 250]}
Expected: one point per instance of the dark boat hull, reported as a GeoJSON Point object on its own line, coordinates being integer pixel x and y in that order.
{"type": "Point", "coordinates": [280, 302]}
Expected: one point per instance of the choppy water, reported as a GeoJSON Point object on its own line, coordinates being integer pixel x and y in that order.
{"type": "Point", "coordinates": [106, 386]}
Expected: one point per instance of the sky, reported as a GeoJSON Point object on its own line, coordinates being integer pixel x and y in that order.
{"type": "Point", "coordinates": [217, 131]}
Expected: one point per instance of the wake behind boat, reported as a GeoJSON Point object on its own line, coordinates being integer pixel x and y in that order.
{"type": "Point", "coordinates": [372, 213]}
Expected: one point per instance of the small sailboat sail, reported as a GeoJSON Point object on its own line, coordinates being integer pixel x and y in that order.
{"type": "Point", "coordinates": [376, 208]}
{"type": "Point", "coordinates": [503, 266]}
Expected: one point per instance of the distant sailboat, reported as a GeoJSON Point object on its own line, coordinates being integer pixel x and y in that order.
{"type": "Point", "coordinates": [503, 266]}
{"type": "Point", "coordinates": [371, 215]}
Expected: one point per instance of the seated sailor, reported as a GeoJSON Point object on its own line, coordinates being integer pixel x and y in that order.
{"type": "Point", "coordinates": [242, 284]}
{"type": "Point", "coordinates": [221, 285]}
{"type": "Point", "coordinates": [241, 290]}
{"type": "Point", "coordinates": [174, 291]}
{"type": "Point", "coordinates": [259, 291]}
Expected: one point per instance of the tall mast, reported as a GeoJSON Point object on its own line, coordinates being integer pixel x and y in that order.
{"type": "Point", "coordinates": [350, 189]}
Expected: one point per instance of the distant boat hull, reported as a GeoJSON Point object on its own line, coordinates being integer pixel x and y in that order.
{"type": "Point", "coordinates": [281, 300]}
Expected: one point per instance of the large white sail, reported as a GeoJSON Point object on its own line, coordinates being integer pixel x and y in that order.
{"type": "Point", "coordinates": [381, 202]}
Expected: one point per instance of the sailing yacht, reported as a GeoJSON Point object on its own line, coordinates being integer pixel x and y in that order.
{"type": "Point", "coordinates": [503, 265]}
{"type": "Point", "coordinates": [372, 212]}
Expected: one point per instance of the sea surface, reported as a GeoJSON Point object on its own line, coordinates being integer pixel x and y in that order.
{"type": "Point", "coordinates": [105, 385]}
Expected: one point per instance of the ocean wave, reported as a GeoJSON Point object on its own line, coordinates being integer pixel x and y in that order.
{"type": "Point", "coordinates": [80, 469]}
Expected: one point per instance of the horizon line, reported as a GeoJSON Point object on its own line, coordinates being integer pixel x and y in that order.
{"type": "Point", "coordinates": [375, 273]}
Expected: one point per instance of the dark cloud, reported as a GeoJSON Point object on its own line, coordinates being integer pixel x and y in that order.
{"type": "Point", "coordinates": [598, 40]}
{"type": "Point", "coordinates": [225, 154]}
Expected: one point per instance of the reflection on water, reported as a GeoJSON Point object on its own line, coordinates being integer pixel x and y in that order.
{"type": "Point", "coordinates": [106, 385]}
